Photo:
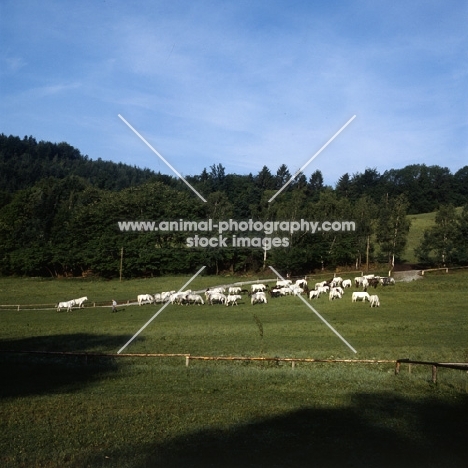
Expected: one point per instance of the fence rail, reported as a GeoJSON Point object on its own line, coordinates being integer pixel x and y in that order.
{"type": "Point", "coordinates": [89, 305]}
{"type": "Point", "coordinates": [189, 357]}
{"type": "Point", "coordinates": [129, 302]}
{"type": "Point", "coordinates": [293, 360]}
{"type": "Point", "coordinates": [434, 365]}
{"type": "Point", "coordinates": [446, 269]}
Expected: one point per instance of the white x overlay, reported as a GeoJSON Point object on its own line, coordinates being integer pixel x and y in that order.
{"type": "Point", "coordinates": [318, 315]}
{"type": "Point", "coordinates": [269, 201]}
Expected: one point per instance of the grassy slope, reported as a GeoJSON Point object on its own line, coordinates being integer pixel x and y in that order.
{"type": "Point", "coordinates": [419, 223]}
{"type": "Point", "coordinates": [144, 413]}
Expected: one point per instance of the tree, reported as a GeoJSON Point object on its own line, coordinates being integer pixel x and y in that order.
{"type": "Point", "coordinates": [218, 206]}
{"type": "Point", "coordinates": [343, 186]}
{"type": "Point", "coordinates": [282, 176]}
{"type": "Point", "coordinates": [218, 176]}
{"type": "Point", "coordinates": [368, 183]}
{"type": "Point", "coordinates": [460, 183]}
{"type": "Point", "coordinates": [364, 213]}
{"type": "Point", "coordinates": [315, 186]}
{"type": "Point", "coordinates": [442, 239]}
{"type": "Point", "coordinates": [316, 181]}
{"type": "Point", "coordinates": [392, 228]}
{"type": "Point", "coordinates": [412, 180]}
{"type": "Point", "coordinates": [461, 250]}
{"type": "Point", "coordinates": [300, 182]}
{"type": "Point", "coordinates": [264, 180]}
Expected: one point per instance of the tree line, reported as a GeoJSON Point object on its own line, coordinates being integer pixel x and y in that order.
{"type": "Point", "coordinates": [59, 214]}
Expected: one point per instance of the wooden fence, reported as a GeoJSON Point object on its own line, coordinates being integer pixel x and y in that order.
{"type": "Point", "coordinates": [434, 365]}
{"type": "Point", "coordinates": [188, 357]}
{"type": "Point", "coordinates": [446, 269]}
{"type": "Point", "coordinates": [129, 302]}
{"type": "Point", "coordinates": [49, 306]}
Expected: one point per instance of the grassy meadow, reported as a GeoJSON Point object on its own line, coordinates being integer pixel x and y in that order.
{"type": "Point", "coordinates": [419, 223]}
{"type": "Point", "coordinates": [151, 412]}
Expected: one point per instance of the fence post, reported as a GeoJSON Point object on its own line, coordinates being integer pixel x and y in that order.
{"type": "Point", "coordinates": [187, 360]}
{"type": "Point", "coordinates": [397, 367]}
{"type": "Point", "coordinates": [434, 374]}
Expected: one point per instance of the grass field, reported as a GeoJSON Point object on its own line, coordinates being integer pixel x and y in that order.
{"type": "Point", "coordinates": [142, 412]}
{"type": "Point", "coordinates": [419, 223]}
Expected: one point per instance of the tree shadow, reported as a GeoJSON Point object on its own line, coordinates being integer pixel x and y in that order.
{"type": "Point", "coordinates": [374, 430]}
{"type": "Point", "coordinates": [27, 373]}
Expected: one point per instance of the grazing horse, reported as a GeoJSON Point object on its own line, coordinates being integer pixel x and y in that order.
{"type": "Point", "coordinates": [66, 305]}
{"type": "Point", "coordinates": [145, 299]}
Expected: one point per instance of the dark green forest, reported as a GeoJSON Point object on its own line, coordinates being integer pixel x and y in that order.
{"type": "Point", "coordinates": [59, 215]}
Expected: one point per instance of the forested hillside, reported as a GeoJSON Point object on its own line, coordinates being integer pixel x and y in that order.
{"type": "Point", "coordinates": [59, 215]}
{"type": "Point", "coordinates": [23, 162]}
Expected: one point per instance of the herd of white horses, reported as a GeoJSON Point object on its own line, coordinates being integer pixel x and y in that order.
{"type": "Point", "coordinates": [229, 296]}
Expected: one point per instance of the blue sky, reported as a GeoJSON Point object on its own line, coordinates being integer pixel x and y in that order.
{"type": "Point", "coordinates": [241, 83]}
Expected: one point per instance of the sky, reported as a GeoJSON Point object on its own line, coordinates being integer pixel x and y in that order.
{"type": "Point", "coordinates": [245, 84]}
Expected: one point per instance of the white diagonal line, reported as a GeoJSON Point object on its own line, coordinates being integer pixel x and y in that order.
{"type": "Point", "coordinates": [159, 156]}
{"type": "Point", "coordinates": [311, 159]}
{"type": "Point", "coordinates": [159, 311]}
{"type": "Point", "coordinates": [318, 315]}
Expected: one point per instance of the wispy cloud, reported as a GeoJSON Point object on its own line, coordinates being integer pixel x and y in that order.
{"type": "Point", "coordinates": [35, 94]}
{"type": "Point", "coordinates": [14, 64]}
{"type": "Point", "coordinates": [248, 84]}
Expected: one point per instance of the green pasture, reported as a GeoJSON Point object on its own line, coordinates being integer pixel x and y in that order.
{"type": "Point", "coordinates": [153, 412]}
{"type": "Point", "coordinates": [419, 224]}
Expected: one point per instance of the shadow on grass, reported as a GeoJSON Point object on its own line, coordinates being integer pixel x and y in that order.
{"type": "Point", "coordinates": [374, 430]}
{"type": "Point", "coordinates": [34, 374]}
